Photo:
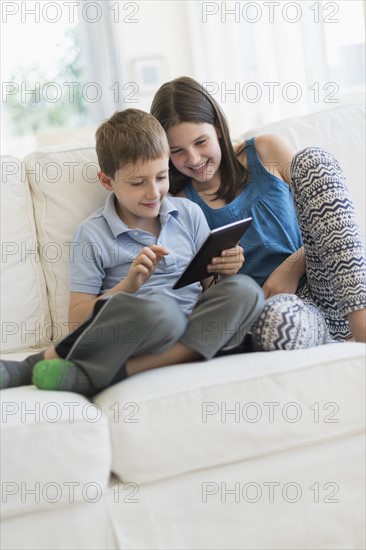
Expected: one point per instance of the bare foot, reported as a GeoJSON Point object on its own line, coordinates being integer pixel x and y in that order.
{"type": "Point", "coordinates": [178, 353]}
{"type": "Point", "coordinates": [50, 353]}
{"type": "Point", "coordinates": [357, 324]}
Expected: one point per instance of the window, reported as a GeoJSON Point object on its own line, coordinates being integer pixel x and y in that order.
{"type": "Point", "coordinates": [267, 60]}
{"type": "Point", "coordinates": [70, 64]}
{"type": "Point", "coordinates": [41, 77]}
{"type": "Point", "coordinates": [57, 54]}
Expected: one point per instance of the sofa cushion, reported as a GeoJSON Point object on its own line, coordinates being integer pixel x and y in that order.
{"type": "Point", "coordinates": [340, 130]}
{"type": "Point", "coordinates": [22, 282]}
{"type": "Point", "coordinates": [65, 191]}
{"type": "Point", "coordinates": [189, 417]}
{"type": "Point", "coordinates": [55, 450]}
{"type": "Point", "coordinates": [309, 497]}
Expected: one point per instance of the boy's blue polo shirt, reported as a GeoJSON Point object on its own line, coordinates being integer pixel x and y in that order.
{"type": "Point", "coordinates": [104, 247]}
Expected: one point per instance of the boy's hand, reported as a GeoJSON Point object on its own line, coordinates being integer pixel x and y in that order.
{"type": "Point", "coordinates": [143, 266]}
{"type": "Point", "coordinates": [228, 263]}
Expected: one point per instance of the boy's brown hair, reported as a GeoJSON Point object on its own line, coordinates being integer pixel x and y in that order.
{"type": "Point", "coordinates": [127, 137]}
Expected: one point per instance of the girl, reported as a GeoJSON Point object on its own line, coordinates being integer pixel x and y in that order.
{"type": "Point", "coordinates": [303, 246]}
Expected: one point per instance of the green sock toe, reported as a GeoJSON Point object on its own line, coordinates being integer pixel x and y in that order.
{"type": "Point", "coordinates": [51, 374]}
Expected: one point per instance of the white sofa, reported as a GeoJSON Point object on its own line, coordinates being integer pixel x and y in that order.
{"type": "Point", "coordinates": [253, 451]}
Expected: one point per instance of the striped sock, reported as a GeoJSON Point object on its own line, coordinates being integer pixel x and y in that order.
{"type": "Point", "coordinates": [18, 373]}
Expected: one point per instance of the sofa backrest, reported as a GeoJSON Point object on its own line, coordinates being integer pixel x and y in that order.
{"type": "Point", "coordinates": [64, 189]}
{"type": "Point", "coordinates": [43, 198]}
{"type": "Point", "coordinates": [339, 130]}
{"type": "Point", "coordinates": [23, 286]}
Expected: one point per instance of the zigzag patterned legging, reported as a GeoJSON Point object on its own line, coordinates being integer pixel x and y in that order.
{"type": "Point", "coordinates": [335, 261]}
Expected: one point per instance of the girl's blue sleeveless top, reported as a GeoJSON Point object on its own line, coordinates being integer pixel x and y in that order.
{"type": "Point", "coordinates": [274, 233]}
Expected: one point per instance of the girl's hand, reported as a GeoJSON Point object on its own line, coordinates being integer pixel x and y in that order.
{"type": "Point", "coordinates": [143, 266]}
{"type": "Point", "coordinates": [277, 284]}
{"type": "Point", "coordinates": [228, 263]}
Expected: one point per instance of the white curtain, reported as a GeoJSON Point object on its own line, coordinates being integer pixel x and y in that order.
{"type": "Point", "coordinates": [267, 60]}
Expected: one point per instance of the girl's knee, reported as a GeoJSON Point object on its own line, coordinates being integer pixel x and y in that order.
{"type": "Point", "coordinates": [311, 158]}
{"type": "Point", "coordinates": [285, 323]}
{"type": "Point", "coordinates": [280, 305]}
{"type": "Point", "coordinates": [291, 324]}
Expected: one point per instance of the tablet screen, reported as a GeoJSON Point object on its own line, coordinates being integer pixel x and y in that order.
{"type": "Point", "coordinates": [218, 240]}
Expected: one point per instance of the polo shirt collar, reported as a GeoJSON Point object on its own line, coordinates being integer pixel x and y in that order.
{"type": "Point", "coordinates": [117, 226]}
{"type": "Point", "coordinates": [167, 209]}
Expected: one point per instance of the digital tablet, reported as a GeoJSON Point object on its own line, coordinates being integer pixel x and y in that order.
{"type": "Point", "coordinates": [218, 240]}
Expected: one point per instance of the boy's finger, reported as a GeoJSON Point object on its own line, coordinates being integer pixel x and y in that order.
{"type": "Point", "coordinates": [229, 251]}
{"type": "Point", "coordinates": [142, 269]}
{"type": "Point", "coordinates": [144, 259]}
{"type": "Point", "coordinates": [147, 252]}
{"type": "Point", "coordinates": [232, 251]}
{"type": "Point", "coordinates": [237, 258]}
{"type": "Point", "coordinates": [221, 268]}
{"type": "Point", "coordinates": [158, 249]}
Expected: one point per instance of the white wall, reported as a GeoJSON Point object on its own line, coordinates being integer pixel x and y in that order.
{"type": "Point", "coordinates": [161, 32]}
{"type": "Point", "coordinates": [236, 55]}
{"type": "Point", "coordinates": [261, 65]}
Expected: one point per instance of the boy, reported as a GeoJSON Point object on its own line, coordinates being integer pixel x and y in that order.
{"type": "Point", "coordinates": [127, 257]}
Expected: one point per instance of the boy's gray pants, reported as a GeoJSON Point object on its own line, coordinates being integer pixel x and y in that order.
{"type": "Point", "coordinates": [124, 325]}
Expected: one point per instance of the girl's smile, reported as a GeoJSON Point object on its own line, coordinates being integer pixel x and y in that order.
{"type": "Point", "coordinates": [195, 152]}
{"type": "Point", "coordinates": [200, 168]}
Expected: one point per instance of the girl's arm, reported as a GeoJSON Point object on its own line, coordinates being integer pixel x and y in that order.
{"type": "Point", "coordinates": [285, 278]}
{"type": "Point", "coordinates": [276, 155]}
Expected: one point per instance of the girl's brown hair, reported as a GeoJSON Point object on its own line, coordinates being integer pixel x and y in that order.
{"type": "Point", "coordinates": [185, 100]}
